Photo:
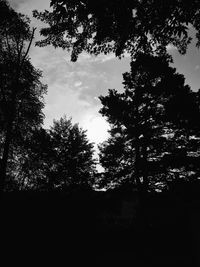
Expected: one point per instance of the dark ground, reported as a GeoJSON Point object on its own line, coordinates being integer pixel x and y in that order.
{"type": "Point", "coordinates": [164, 232]}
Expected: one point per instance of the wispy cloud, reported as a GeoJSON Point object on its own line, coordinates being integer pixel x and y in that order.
{"type": "Point", "coordinates": [102, 58]}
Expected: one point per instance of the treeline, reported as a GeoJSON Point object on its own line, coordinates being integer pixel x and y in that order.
{"type": "Point", "coordinates": [155, 128]}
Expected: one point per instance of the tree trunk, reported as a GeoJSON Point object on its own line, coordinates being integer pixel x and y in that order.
{"type": "Point", "coordinates": [137, 143]}
{"type": "Point", "coordinates": [144, 168]}
{"type": "Point", "coordinates": [137, 163]}
{"type": "Point", "coordinates": [6, 148]}
{"type": "Point", "coordinates": [9, 133]}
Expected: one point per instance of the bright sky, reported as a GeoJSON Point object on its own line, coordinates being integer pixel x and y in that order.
{"type": "Point", "coordinates": [73, 88]}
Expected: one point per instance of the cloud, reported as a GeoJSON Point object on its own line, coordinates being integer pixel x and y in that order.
{"type": "Point", "coordinates": [78, 83]}
{"type": "Point", "coordinates": [26, 6]}
{"type": "Point", "coordinates": [85, 58]}
{"type": "Point", "coordinates": [171, 48]}
{"type": "Point", "coordinates": [16, 3]}
{"type": "Point", "coordinates": [60, 102]}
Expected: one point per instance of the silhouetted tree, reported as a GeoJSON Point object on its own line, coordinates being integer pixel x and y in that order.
{"type": "Point", "coordinates": [55, 158]}
{"type": "Point", "coordinates": [118, 26]}
{"type": "Point", "coordinates": [155, 112]}
{"type": "Point", "coordinates": [72, 161]}
{"type": "Point", "coordinates": [20, 88]}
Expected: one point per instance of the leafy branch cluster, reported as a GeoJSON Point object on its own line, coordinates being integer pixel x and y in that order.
{"type": "Point", "coordinates": [118, 26]}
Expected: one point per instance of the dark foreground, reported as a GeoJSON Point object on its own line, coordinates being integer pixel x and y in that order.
{"type": "Point", "coordinates": [116, 227]}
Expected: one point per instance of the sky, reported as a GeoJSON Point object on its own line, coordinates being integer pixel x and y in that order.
{"type": "Point", "coordinates": [74, 88]}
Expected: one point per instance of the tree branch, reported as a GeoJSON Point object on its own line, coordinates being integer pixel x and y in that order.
{"type": "Point", "coordinates": [29, 46]}
{"type": "Point", "coordinates": [8, 45]}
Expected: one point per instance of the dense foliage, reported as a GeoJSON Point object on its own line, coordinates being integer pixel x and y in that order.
{"type": "Point", "coordinates": [73, 162]}
{"type": "Point", "coordinates": [155, 124]}
{"type": "Point", "coordinates": [21, 91]}
{"type": "Point", "coordinates": [55, 158]}
{"type": "Point", "coordinates": [118, 26]}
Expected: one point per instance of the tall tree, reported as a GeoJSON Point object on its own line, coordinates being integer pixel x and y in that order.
{"type": "Point", "coordinates": [155, 105]}
{"type": "Point", "coordinates": [19, 80]}
{"type": "Point", "coordinates": [118, 26]}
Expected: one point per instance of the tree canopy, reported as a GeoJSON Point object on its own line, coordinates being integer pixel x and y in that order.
{"type": "Point", "coordinates": [118, 26]}
{"type": "Point", "coordinates": [54, 159]}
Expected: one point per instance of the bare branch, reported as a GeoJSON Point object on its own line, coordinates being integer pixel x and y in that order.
{"type": "Point", "coordinates": [29, 46]}
{"type": "Point", "coordinates": [20, 51]}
